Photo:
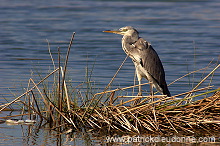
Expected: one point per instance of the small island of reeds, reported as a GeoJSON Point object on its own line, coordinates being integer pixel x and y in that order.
{"type": "Point", "coordinates": [107, 114]}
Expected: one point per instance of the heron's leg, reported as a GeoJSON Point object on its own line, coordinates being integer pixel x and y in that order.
{"type": "Point", "coordinates": [139, 87]}
{"type": "Point", "coordinates": [151, 89]}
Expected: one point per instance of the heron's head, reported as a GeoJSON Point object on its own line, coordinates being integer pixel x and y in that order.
{"type": "Point", "coordinates": [127, 30]}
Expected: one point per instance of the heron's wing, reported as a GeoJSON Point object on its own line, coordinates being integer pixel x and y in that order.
{"type": "Point", "coordinates": [142, 53]}
{"type": "Point", "coordinates": [150, 60]}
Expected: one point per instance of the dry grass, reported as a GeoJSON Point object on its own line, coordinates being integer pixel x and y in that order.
{"type": "Point", "coordinates": [100, 111]}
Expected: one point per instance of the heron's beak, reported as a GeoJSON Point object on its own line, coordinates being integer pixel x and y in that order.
{"type": "Point", "coordinates": [113, 31]}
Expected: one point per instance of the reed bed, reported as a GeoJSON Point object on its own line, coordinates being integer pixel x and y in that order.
{"type": "Point", "coordinates": [104, 111]}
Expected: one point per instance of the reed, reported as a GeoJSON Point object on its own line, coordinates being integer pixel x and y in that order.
{"type": "Point", "coordinates": [100, 111]}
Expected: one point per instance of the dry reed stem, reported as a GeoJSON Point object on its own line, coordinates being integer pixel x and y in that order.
{"type": "Point", "coordinates": [7, 104]}
{"type": "Point", "coordinates": [67, 99]}
{"type": "Point", "coordinates": [79, 118]}
{"type": "Point", "coordinates": [48, 44]}
{"type": "Point", "coordinates": [67, 57]}
{"type": "Point", "coordinates": [59, 85]}
{"type": "Point", "coordinates": [155, 96]}
{"type": "Point", "coordinates": [192, 91]}
{"type": "Point", "coordinates": [133, 99]}
{"type": "Point", "coordinates": [126, 121]}
{"type": "Point", "coordinates": [185, 129]}
{"type": "Point", "coordinates": [138, 97]}
{"type": "Point", "coordinates": [35, 101]}
{"type": "Point", "coordinates": [109, 84]}
{"type": "Point", "coordinates": [145, 118]}
{"type": "Point", "coordinates": [180, 100]}
{"type": "Point", "coordinates": [94, 122]}
{"type": "Point", "coordinates": [155, 118]}
{"type": "Point", "coordinates": [64, 76]}
{"type": "Point", "coordinates": [187, 75]}
{"type": "Point", "coordinates": [120, 89]}
{"type": "Point", "coordinates": [215, 96]}
{"type": "Point", "coordinates": [6, 117]}
{"type": "Point", "coordinates": [170, 122]}
{"type": "Point", "coordinates": [204, 79]}
{"type": "Point", "coordinates": [63, 115]}
{"type": "Point", "coordinates": [151, 103]}
{"type": "Point", "coordinates": [47, 103]}
{"type": "Point", "coordinates": [101, 116]}
{"type": "Point", "coordinates": [186, 122]}
{"type": "Point", "coordinates": [44, 100]}
{"type": "Point", "coordinates": [66, 92]}
{"type": "Point", "coordinates": [120, 119]}
{"type": "Point", "coordinates": [33, 110]}
{"type": "Point", "coordinates": [151, 122]}
{"type": "Point", "coordinates": [29, 101]}
{"type": "Point", "coordinates": [136, 128]}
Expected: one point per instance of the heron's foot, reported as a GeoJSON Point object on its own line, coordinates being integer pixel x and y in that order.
{"type": "Point", "coordinates": [137, 101]}
{"type": "Point", "coordinates": [152, 97]}
{"type": "Point", "coordinates": [139, 94]}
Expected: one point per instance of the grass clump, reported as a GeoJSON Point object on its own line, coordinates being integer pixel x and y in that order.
{"type": "Point", "coordinates": [62, 109]}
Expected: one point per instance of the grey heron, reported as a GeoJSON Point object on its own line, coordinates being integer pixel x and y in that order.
{"type": "Point", "coordinates": [146, 60]}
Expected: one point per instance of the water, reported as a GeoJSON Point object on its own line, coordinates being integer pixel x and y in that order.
{"type": "Point", "coordinates": [184, 33]}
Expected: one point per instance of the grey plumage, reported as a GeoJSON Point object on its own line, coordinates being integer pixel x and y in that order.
{"type": "Point", "coordinates": [145, 58]}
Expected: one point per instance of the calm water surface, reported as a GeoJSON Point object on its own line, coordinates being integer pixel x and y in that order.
{"type": "Point", "coordinates": [185, 34]}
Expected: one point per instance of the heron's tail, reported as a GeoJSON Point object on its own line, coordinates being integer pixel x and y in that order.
{"type": "Point", "coordinates": [163, 89]}
{"type": "Point", "coordinates": [166, 91]}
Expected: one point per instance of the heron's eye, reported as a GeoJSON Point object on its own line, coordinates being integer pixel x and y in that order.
{"type": "Point", "coordinates": [123, 29]}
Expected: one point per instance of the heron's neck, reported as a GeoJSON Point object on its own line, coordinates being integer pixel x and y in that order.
{"type": "Point", "coordinates": [127, 43]}
{"type": "Point", "coordinates": [130, 39]}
